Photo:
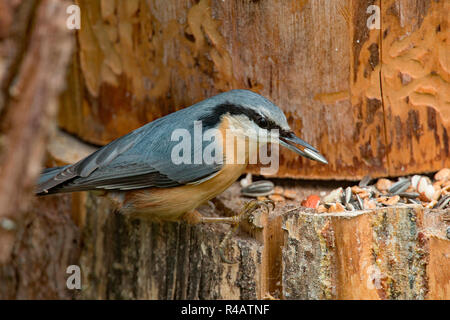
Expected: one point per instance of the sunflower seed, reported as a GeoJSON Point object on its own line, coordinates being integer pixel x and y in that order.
{"type": "Point", "coordinates": [258, 189]}
{"type": "Point", "coordinates": [443, 202]}
{"type": "Point", "coordinates": [365, 181]}
{"type": "Point", "coordinates": [349, 207]}
{"type": "Point", "coordinates": [355, 204]}
{"type": "Point", "coordinates": [409, 195]}
{"type": "Point", "coordinates": [348, 195]}
{"type": "Point", "coordinates": [399, 186]}
{"type": "Point", "coordinates": [360, 203]}
{"type": "Point", "coordinates": [414, 201]}
{"type": "Point", "coordinates": [374, 191]}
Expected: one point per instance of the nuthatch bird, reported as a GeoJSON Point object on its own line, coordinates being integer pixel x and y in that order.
{"type": "Point", "coordinates": [138, 171]}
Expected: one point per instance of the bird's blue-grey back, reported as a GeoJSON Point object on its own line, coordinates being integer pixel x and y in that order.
{"type": "Point", "coordinates": [142, 158]}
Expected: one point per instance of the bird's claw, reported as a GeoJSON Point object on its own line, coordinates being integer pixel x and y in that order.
{"type": "Point", "coordinates": [248, 209]}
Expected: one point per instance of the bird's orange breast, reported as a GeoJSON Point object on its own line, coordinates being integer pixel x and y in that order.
{"type": "Point", "coordinates": [172, 203]}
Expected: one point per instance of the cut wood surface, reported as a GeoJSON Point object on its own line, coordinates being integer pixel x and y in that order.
{"type": "Point", "coordinates": [371, 100]}
{"type": "Point", "coordinates": [415, 78]}
{"type": "Point", "coordinates": [392, 253]}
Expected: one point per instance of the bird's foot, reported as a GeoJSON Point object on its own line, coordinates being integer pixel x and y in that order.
{"type": "Point", "coordinates": [245, 214]}
{"type": "Point", "coordinates": [194, 217]}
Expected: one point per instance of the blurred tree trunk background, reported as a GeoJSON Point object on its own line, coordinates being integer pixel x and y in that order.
{"type": "Point", "coordinates": [372, 100]}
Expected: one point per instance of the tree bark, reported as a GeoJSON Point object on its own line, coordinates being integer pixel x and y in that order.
{"type": "Point", "coordinates": [35, 47]}
{"type": "Point", "coordinates": [133, 259]}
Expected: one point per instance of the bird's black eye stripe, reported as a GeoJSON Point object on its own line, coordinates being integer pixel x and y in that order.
{"type": "Point", "coordinates": [213, 119]}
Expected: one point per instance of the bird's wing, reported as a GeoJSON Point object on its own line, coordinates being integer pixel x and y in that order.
{"type": "Point", "coordinates": [138, 160]}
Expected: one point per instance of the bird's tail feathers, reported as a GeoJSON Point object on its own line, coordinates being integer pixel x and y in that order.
{"type": "Point", "coordinates": [46, 178]}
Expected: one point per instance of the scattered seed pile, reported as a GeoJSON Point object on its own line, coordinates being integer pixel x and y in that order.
{"type": "Point", "coordinates": [415, 189]}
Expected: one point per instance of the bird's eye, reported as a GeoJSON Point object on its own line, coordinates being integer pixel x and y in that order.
{"type": "Point", "coordinates": [262, 122]}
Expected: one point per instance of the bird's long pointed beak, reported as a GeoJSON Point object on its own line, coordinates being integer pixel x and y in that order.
{"type": "Point", "coordinates": [307, 151]}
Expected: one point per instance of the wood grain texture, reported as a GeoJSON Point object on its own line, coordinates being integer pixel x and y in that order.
{"type": "Point", "coordinates": [138, 259]}
{"type": "Point", "coordinates": [139, 60]}
{"type": "Point", "coordinates": [372, 100]}
{"type": "Point", "coordinates": [416, 84]}
{"type": "Point", "coordinates": [392, 253]}
{"type": "Point", "coordinates": [45, 245]}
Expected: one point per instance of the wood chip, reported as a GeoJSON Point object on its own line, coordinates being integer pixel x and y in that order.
{"type": "Point", "coordinates": [431, 204]}
{"type": "Point", "coordinates": [383, 184]}
{"type": "Point", "coordinates": [336, 207]}
{"type": "Point", "coordinates": [278, 190]}
{"type": "Point", "coordinates": [438, 184]}
{"type": "Point", "coordinates": [365, 194]}
{"type": "Point", "coordinates": [290, 194]}
{"type": "Point", "coordinates": [339, 207]}
{"type": "Point", "coordinates": [322, 209]}
{"type": "Point", "coordinates": [443, 174]}
{"type": "Point", "coordinates": [369, 204]}
{"type": "Point", "coordinates": [389, 201]}
{"type": "Point", "coordinates": [332, 208]}
{"type": "Point", "coordinates": [356, 189]}
{"type": "Point", "coordinates": [277, 198]}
